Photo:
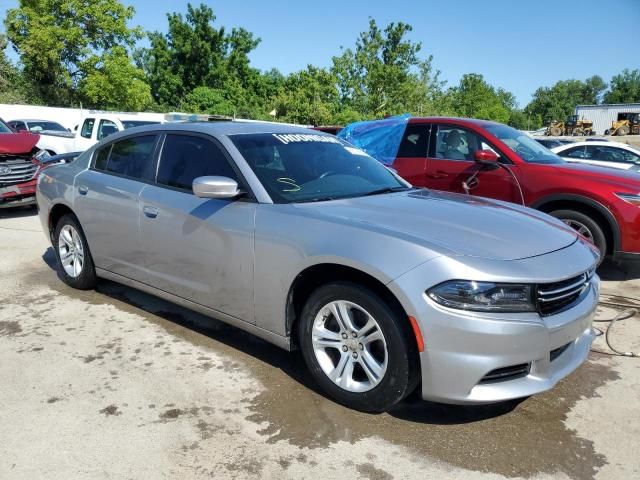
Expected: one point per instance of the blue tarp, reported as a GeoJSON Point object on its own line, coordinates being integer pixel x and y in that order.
{"type": "Point", "coordinates": [379, 138]}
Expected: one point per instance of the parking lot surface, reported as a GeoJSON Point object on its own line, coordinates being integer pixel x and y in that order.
{"type": "Point", "coordinates": [117, 384]}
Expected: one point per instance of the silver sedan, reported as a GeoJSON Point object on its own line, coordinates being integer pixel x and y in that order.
{"type": "Point", "coordinates": [309, 243]}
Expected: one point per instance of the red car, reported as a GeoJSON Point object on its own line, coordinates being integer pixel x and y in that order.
{"type": "Point", "coordinates": [493, 160]}
{"type": "Point", "coordinates": [19, 167]}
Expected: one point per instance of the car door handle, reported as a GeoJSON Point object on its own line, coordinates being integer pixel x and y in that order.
{"type": "Point", "coordinates": [83, 190]}
{"type": "Point", "coordinates": [151, 212]}
{"type": "Point", "coordinates": [438, 174]}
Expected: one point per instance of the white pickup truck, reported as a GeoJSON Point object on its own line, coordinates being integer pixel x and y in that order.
{"type": "Point", "coordinates": [92, 129]}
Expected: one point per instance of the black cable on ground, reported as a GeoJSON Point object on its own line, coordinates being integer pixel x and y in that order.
{"type": "Point", "coordinates": [631, 307]}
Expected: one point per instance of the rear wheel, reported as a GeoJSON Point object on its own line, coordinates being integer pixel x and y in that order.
{"type": "Point", "coordinates": [585, 226]}
{"type": "Point", "coordinates": [72, 251]}
{"type": "Point", "coordinates": [577, 132]}
{"type": "Point", "coordinates": [555, 131]}
{"type": "Point", "coordinates": [357, 348]}
{"type": "Point", "coordinates": [623, 130]}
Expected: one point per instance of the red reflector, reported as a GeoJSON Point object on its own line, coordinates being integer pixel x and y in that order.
{"type": "Point", "coordinates": [417, 333]}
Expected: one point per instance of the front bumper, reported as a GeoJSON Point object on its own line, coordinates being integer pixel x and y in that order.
{"type": "Point", "coordinates": [463, 349]}
{"type": "Point", "coordinates": [18, 195]}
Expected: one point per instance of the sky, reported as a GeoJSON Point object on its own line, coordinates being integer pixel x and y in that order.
{"type": "Point", "coordinates": [516, 44]}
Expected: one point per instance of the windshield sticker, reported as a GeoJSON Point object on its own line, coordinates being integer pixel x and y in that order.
{"type": "Point", "coordinates": [356, 151]}
{"type": "Point", "coordinates": [304, 137]}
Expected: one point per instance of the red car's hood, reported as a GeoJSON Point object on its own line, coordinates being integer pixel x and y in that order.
{"type": "Point", "coordinates": [605, 174]}
{"type": "Point", "coordinates": [17, 142]}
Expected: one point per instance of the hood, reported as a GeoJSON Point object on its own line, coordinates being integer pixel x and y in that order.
{"type": "Point", "coordinates": [17, 142]}
{"type": "Point", "coordinates": [612, 176]}
{"type": "Point", "coordinates": [451, 223]}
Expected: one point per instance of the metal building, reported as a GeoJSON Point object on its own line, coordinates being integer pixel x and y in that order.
{"type": "Point", "coordinates": [603, 115]}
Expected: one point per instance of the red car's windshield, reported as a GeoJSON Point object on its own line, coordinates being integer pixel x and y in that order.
{"type": "Point", "coordinates": [523, 145]}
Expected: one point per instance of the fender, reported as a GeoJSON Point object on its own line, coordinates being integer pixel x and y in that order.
{"type": "Point", "coordinates": [589, 202]}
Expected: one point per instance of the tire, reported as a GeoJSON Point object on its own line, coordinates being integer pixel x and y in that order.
{"type": "Point", "coordinates": [555, 131]}
{"type": "Point", "coordinates": [69, 242]}
{"type": "Point", "coordinates": [577, 132]}
{"type": "Point", "coordinates": [622, 131]}
{"type": "Point", "coordinates": [394, 351]}
{"type": "Point", "coordinates": [580, 221]}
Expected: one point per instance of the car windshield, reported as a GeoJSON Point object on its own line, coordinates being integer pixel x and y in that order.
{"type": "Point", "coordinates": [523, 145]}
{"type": "Point", "coordinates": [39, 125]}
{"type": "Point", "coordinates": [137, 123]}
{"type": "Point", "coordinates": [295, 167]}
{"type": "Point", "coordinates": [4, 128]}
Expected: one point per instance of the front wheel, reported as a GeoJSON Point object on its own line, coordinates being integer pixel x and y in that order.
{"type": "Point", "coordinates": [357, 348]}
{"type": "Point", "coordinates": [72, 251]}
{"type": "Point", "coordinates": [585, 226]}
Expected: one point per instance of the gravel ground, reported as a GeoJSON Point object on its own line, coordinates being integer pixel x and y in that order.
{"type": "Point", "coordinates": [115, 384]}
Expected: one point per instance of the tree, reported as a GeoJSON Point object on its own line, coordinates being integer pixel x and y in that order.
{"type": "Point", "coordinates": [308, 97]}
{"type": "Point", "coordinates": [14, 87]}
{"type": "Point", "coordinates": [385, 74]}
{"type": "Point", "coordinates": [114, 83]}
{"type": "Point", "coordinates": [560, 100]}
{"type": "Point", "coordinates": [475, 98]}
{"type": "Point", "coordinates": [57, 40]}
{"type": "Point", "coordinates": [625, 88]}
{"type": "Point", "coordinates": [194, 53]}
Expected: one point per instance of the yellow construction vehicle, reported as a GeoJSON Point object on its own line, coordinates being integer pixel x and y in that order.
{"type": "Point", "coordinates": [572, 126]}
{"type": "Point", "coordinates": [628, 123]}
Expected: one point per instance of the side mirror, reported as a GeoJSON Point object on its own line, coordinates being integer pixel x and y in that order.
{"type": "Point", "coordinates": [486, 157]}
{"type": "Point", "coordinates": [215, 187]}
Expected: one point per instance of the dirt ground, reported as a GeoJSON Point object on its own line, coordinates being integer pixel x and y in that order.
{"type": "Point", "coordinates": [115, 384]}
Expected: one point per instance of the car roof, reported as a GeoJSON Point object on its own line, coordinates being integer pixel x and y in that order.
{"type": "Point", "coordinates": [474, 121]}
{"type": "Point", "coordinates": [222, 128]}
{"type": "Point", "coordinates": [33, 120]}
{"type": "Point", "coordinates": [600, 143]}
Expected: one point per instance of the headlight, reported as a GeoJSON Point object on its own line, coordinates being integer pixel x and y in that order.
{"type": "Point", "coordinates": [484, 296]}
{"type": "Point", "coordinates": [41, 155]}
{"type": "Point", "coordinates": [630, 198]}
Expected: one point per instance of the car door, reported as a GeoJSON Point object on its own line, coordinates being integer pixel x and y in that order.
{"type": "Point", "coordinates": [611, 156]}
{"type": "Point", "coordinates": [84, 138]}
{"type": "Point", "coordinates": [107, 203]}
{"type": "Point", "coordinates": [451, 165]}
{"type": "Point", "coordinates": [200, 249]}
{"type": "Point", "coordinates": [411, 160]}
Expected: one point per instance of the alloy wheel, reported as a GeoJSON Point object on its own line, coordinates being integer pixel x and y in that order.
{"type": "Point", "coordinates": [349, 346]}
{"type": "Point", "coordinates": [71, 251]}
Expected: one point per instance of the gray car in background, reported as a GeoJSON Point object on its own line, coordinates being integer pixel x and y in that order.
{"type": "Point", "coordinates": [307, 242]}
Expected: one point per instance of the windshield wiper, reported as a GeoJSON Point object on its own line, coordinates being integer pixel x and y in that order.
{"type": "Point", "coordinates": [388, 190]}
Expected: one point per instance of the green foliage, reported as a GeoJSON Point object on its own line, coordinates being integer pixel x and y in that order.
{"type": "Point", "coordinates": [625, 88]}
{"type": "Point", "coordinates": [14, 87]}
{"type": "Point", "coordinates": [194, 53]}
{"type": "Point", "coordinates": [385, 73]}
{"type": "Point", "coordinates": [308, 97]}
{"type": "Point", "coordinates": [112, 82]}
{"type": "Point", "coordinates": [475, 98]}
{"type": "Point", "coordinates": [560, 100]}
{"type": "Point", "coordinates": [56, 39]}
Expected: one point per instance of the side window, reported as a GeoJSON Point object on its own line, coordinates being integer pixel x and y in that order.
{"type": "Point", "coordinates": [101, 157]}
{"type": "Point", "coordinates": [613, 154]}
{"type": "Point", "coordinates": [185, 158]}
{"type": "Point", "coordinates": [457, 143]}
{"type": "Point", "coordinates": [575, 152]}
{"type": "Point", "coordinates": [415, 141]}
{"type": "Point", "coordinates": [19, 126]}
{"type": "Point", "coordinates": [106, 128]}
{"type": "Point", "coordinates": [87, 127]}
{"type": "Point", "coordinates": [133, 157]}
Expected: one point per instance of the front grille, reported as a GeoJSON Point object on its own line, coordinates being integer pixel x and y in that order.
{"type": "Point", "coordinates": [553, 354]}
{"type": "Point", "coordinates": [16, 169]}
{"type": "Point", "coordinates": [555, 297]}
{"type": "Point", "coordinates": [507, 373]}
